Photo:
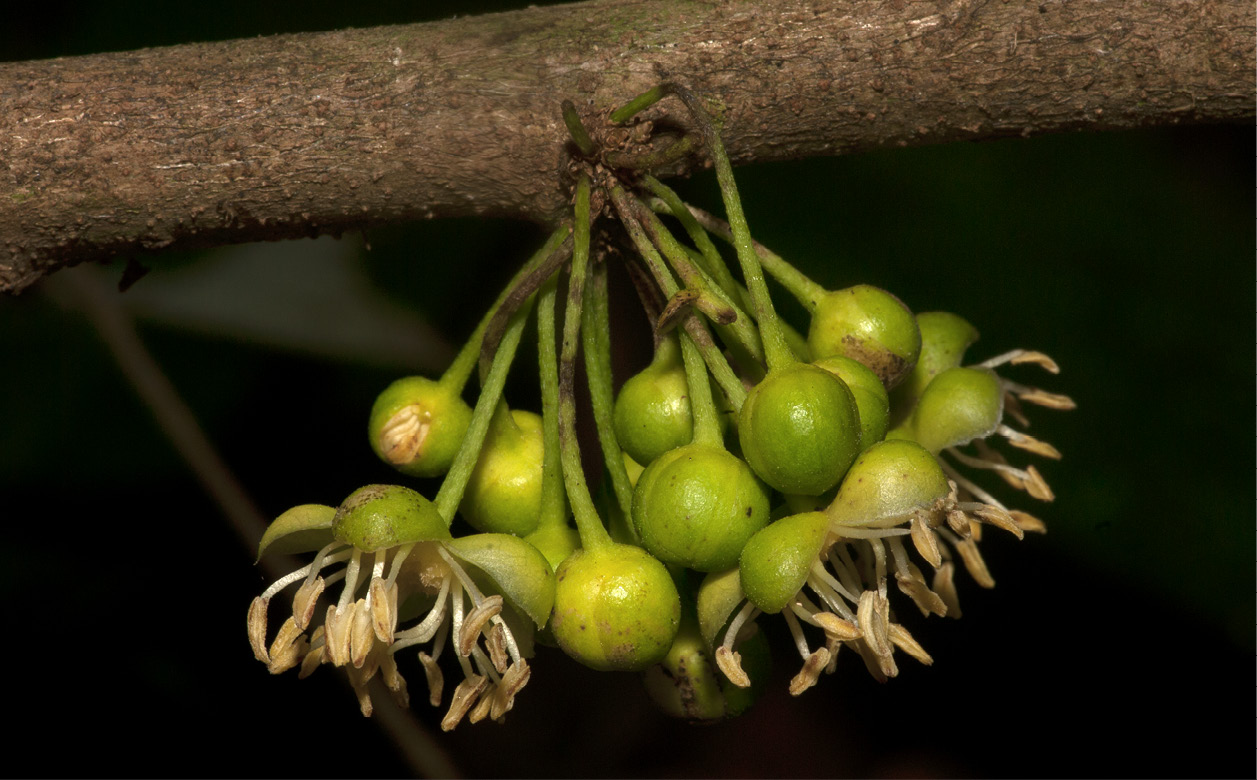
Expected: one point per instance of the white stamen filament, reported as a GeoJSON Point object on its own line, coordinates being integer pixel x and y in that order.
{"type": "Point", "coordinates": [485, 665]}
{"type": "Point", "coordinates": [800, 641]}
{"type": "Point", "coordinates": [512, 649]}
{"type": "Point", "coordinates": [979, 463]}
{"type": "Point", "coordinates": [457, 602]}
{"type": "Point", "coordinates": [351, 580]}
{"type": "Point", "coordinates": [748, 611]}
{"type": "Point", "coordinates": [872, 533]}
{"type": "Point", "coordinates": [968, 485]}
{"type": "Point", "coordinates": [426, 628]}
{"type": "Point", "coordinates": [900, 557]}
{"type": "Point", "coordinates": [468, 585]}
{"type": "Point", "coordinates": [846, 570]}
{"type": "Point", "coordinates": [301, 573]}
{"type": "Point", "coordinates": [819, 572]}
{"type": "Point", "coordinates": [829, 597]}
{"type": "Point", "coordinates": [398, 559]}
{"type": "Point", "coordinates": [879, 558]}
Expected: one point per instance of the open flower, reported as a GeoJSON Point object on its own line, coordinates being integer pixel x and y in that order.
{"type": "Point", "coordinates": [401, 566]}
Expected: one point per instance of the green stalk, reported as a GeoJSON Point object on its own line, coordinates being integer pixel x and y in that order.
{"type": "Point", "coordinates": [553, 498]}
{"type": "Point", "coordinates": [596, 338]}
{"type": "Point", "coordinates": [740, 329]}
{"type": "Point", "coordinates": [593, 534]}
{"type": "Point", "coordinates": [451, 492]}
{"type": "Point", "coordinates": [775, 347]}
{"type": "Point", "coordinates": [576, 129]}
{"type": "Point", "coordinates": [456, 376]}
{"type": "Point", "coordinates": [713, 263]}
{"type": "Point", "coordinates": [716, 363]}
{"type": "Point", "coordinates": [795, 281]}
{"type": "Point", "coordinates": [639, 103]}
{"type": "Point", "coordinates": [702, 407]}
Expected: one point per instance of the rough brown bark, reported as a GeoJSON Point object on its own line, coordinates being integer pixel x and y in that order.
{"type": "Point", "coordinates": [298, 135]}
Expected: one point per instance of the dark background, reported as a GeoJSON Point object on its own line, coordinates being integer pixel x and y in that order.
{"type": "Point", "coordinates": [1117, 645]}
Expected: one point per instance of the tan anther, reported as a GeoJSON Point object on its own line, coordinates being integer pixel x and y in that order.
{"type": "Point", "coordinates": [436, 680]}
{"type": "Point", "coordinates": [393, 679]}
{"type": "Point", "coordinates": [731, 664]}
{"type": "Point", "coordinates": [361, 633]}
{"type": "Point", "coordinates": [998, 518]}
{"type": "Point", "coordinates": [874, 663]}
{"type": "Point", "coordinates": [257, 629]}
{"type": "Point", "coordinates": [873, 622]}
{"type": "Point", "coordinates": [383, 609]}
{"type": "Point", "coordinates": [944, 585]}
{"type": "Point", "coordinates": [836, 629]}
{"type": "Point", "coordinates": [475, 621]}
{"type": "Point", "coordinates": [513, 681]}
{"type": "Point", "coordinates": [1024, 441]}
{"type": "Point", "coordinates": [496, 644]}
{"type": "Point", "coordinates": [811, 671]}
{"type": "Point", "coordinates": [288, 655]}
{"type": "Point", "coordinates": [1013, 409]}
{"type": "Point", "coordinates": [1050, 400]}
{"type": "Point", "coordinates": [925, 541]}
{"type": "Point", "coordinates": [1019, 356]}
{"type": "Point", "coordinates": [465, 696]}
{"type": "Point", "coordinates": [913, 585]}
{"type": "Point", "coordinates": [905, 642]}
{"type": "Point", "coordinates": [306, 600]}
{"type": "Point", "coordinates": [958, 521]}
{"type": "Point", "coordinates": [336, 638]}
{"type": "Point", "coordinates": [989, 454]}
{"type": "Point", "coordinates": [1028, 522]}
{"type": "Point", "coordinates": [364, 700]}
{"type": "Point", "coordinates": [1036, 486]}
{"type": "Point", "coordinates": [314, 657]}
{"type": "Point", "coordinates": [483, 705]}
{"type": "Point", "coordinates": [402, 437]}
{"type": "Point", "coordinates": [973, 563]}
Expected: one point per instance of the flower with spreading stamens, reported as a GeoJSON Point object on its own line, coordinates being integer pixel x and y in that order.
{"type": "Point", "coordinates": [454, 589]}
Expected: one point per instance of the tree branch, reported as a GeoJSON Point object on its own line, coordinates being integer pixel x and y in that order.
{"type": "Point", "coordinates": [297, 135]}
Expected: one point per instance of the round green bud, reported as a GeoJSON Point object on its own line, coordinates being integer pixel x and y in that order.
{"type": "Point", "coordinates": [377, 517]}
{"type": "Point", "coordinates": [886, 484]}
{"type": "Point", "coordinates": [555, 542]}
{"type": "Point", "coordinates": [944, 339]}
{"type": "Point", "coordinates": [870, 325]}
{"type": "Point", "coordinates": [776, 561]}
{"type": "Point", "coordinates": [503, 494]}
{"type": "Point", "coordinates": [870, 396]}
{"type": "Point", "coordinates": [958, 406]}
{"type": "Point", "coordinates": [652, 412]}
{"type": "Point", "coordinates": [616, 608]}
{"type": "Point", "coordinates": [417, 426]}
{"type": "Point", "coordinates": [800, 429]}
{"type": "Point", "coordinates": [695, 506]}
{"type": "Point", "coordinates": [687, 684]}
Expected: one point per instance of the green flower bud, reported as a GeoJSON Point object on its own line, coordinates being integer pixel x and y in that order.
{"type": "Point", "coordinates": [652, 411]}
{"type": "Point", "coordinates": [304, 528]}
{"type": "Point", "coordinates": [503, 494]}
{"type": "Point", "coordinates": [555, 542]}
{"type": "Point", "coordinates": [886, 484]}
{"type": "Point", "coordinates": [378, 517]}
{"type": "Point", "coordinates": [616, 608]}
{"type": "Point", "coordinates": [776, 561]}
{"type": "Point", "coordinates": [870, 396]}
{"type": "Point", "coordinates": [944, 339]}
{"type": "Point", "coordinates": [800, 429]}
{"type": "Point", "coordinates": [960, 405]}
{"type": "Point", "coordinates": [686, 683]}
{"type": "Point", "coordinates": [695, 506]}
{"type": "Point", "coordinates": [870, 325]}
{"type": "Point", "coordinates": [417, 426]}
{"type": "Point", "coordinates": [517, 569]}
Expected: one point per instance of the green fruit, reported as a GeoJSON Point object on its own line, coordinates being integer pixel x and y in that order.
{"type": "Point", "coordinates": [944, 339]}
{"type": "Point", "coordinates": [867, 324]}
{"type": "Point", "coordinates": [615, 608]}
{"type": "Point", "coordinates": [776, 561]}
{"type": "Point", "coordinates": [652, 412]}
{"type": "Point", "coordinates": [687, 684]}
{"type": "Point", "coordinates": [555, 542]}
{"type": "Point", "coordinates": [886, 484]}
{"type": "Point", "coordinates": [503, 494]}
{"type": "Point", "coordinates": [377, 517]}
{"type": "Point", "coordinates": [417, 426]}
{"type": "Point", "coordinates": [696, 505]}
{"type": "Point", "coordinates": [870, 396]}
{"type": "Point", "coordinates": [958, 406]}
{"type": "Point", "coordinates": [800, 429]}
